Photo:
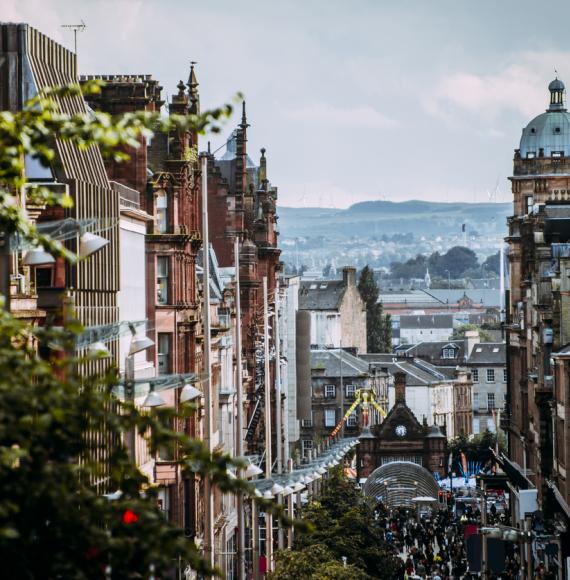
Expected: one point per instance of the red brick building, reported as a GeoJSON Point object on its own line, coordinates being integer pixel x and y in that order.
{"type": "Point", "coordinates": [166, 174]}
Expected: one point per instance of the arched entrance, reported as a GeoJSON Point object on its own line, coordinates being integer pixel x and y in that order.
{"type": "Point", "coordinates": [396, 483]}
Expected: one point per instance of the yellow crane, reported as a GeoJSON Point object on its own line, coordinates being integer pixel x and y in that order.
{"type": "Point", "coordinates": [364, 398]}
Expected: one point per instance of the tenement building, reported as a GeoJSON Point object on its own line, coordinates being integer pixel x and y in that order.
{"type": "Point", "coordinates": [538, 315]}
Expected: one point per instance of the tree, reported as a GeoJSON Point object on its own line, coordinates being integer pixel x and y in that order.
{"type": "Point", "coordinates": [53, 522]}
{"type": "Point", "coordinates": [457, 260]}
{"type": "Point", "coordinates": [342, 523]}
{"type": "Point", "coordinates": [492, 264]}
{"type": "Point", "coordinates": [378, 326]}
{"type": "Point", "coordinates": [460, 331]}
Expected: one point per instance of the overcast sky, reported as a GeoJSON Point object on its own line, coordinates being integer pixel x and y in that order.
{"type": "Point", "coordinates": [359, 100]}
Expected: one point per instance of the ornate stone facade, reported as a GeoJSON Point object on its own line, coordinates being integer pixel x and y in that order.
{"type": "Point", "coordinates": [401, 437]}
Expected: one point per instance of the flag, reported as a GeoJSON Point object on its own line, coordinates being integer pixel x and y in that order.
{"type": "Point", "coordinates": [463, 228]}
{"type": "Point", "coordinates": [464, 463]}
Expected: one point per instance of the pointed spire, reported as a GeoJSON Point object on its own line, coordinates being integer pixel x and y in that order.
{"type": "Point", "coordinates": [244, 124]}
{"type": "Point", "coordinates": [193, 90]}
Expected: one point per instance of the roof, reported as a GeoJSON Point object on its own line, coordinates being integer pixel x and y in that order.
{"type": "Point", "coordinates": [321, 294]}
{"type": "Point", "coordinates": [418, 372]}
{"type": "Point", "coordinates": [485, 296]}
{"type": "Point", "coordinates": [433, 351]}
{"type": "Point", "coordinates": [335, 361]}
{"type": "Point", "coordinates": [489, 353]}
{"type": "Point", "coordinates": [549, 131]}
{"type": "Point", "coordinates": [426, 321]}
{"type": "Point", "coordinates": [411, 297]}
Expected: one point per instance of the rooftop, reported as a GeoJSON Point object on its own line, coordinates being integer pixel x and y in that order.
{"type": "Point", "coordinates": [548, 134]}
{"type": "Point", "coordinates": [337, 361]}
{"type": "Point", "coordinates": [489, 353]}
{"type": "Point", "coordinates": [321, 294]}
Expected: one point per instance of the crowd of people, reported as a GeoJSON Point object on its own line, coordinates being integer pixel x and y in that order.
{"type": "Point", "coordinates": [434, 545]}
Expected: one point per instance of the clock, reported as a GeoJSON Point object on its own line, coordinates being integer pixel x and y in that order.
{"type": "Point", "coordinates": [401, 430]}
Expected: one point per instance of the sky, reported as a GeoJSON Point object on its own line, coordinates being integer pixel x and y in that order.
{"type": "Point", "coordinates": [354, 101]}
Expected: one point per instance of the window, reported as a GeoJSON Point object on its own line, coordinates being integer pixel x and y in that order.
{"type": "Point", "coordinates": [490, 375]}
{"type": "Point", "coordinates": [162, 212]}
{"type": "Point", "coordinates": [476, 401]}
{"type": "Point", "coordinates": [504, 375]}
{"type": "Point", "coordinates": [307, 423]}
{"type": "Point", "coordinates": [330, 417]}
{"type": "Point", "coordinates": [164, 347]}
{"type": "Point", "coordinates": [448, 353]}
{"type": "Point", "coordinates": [352, 421]}
{"type": "Point", "coordinates": [475, 375]}
{"type": "Point", "coordinates": [306, 446]}
{"type": "Point", "coordinates": [557, 154]}
{"type": "Point", "coordinates": [44, 277]}
{"type": "Point", "coordinates": [330, 391]}
{"type": "Point", "coordinates": [350, 391]}
{"type": "Point", "coordinates": [490, 401]}
{"type": "Point", "coordinates": [162, 272]}
{"type": "Point", "coordinates": [529, 203]}
{"type": "Point", "coordinates": [475, 425]}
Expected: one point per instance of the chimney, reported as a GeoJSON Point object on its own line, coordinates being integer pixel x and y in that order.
{"type": "Point", "coordinates": [471, 339]}
{"type": "Point", "coordinates": [400, 387]}
{"type": "Point", "coordinates": [349, 276]}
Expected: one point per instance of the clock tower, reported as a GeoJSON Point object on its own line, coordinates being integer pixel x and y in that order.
{"type": "Point", "coordinates": [401, 437]}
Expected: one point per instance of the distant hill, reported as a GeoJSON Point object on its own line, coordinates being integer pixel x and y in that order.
{"type": "Point", "coordinates": [375, 218]}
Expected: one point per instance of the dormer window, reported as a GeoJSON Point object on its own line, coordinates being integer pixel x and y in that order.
{"type": "Point", "coordinates": [448, 352]}
{"type": "Point", "coordinates": [530, 154]}
{"type": "Point", "coordinates": [557, 129]}
{"type": "Point", "coordinates": [557, 154]}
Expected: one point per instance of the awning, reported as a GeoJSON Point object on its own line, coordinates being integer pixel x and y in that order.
{"type": "Point", "coordinates": [559, 498]}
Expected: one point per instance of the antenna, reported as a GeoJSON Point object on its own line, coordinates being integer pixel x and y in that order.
{"type": "Point", "coordinates": [76, 28]}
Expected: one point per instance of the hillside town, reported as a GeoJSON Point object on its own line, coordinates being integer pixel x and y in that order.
{"type": "Point", "coordinates": [180, 400]}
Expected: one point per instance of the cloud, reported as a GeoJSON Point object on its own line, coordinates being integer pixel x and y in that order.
{"type": "Point", "coordinates": [324, 113]}
{"type": "Point", "coordinates": [519, 86]}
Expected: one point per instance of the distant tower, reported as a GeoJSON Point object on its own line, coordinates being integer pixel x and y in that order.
{"type": "Point", "coordinates": [427, 279]}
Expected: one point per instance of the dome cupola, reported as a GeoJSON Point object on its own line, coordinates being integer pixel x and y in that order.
{"type": "Point", "coordinates": [548, 135]}
{"type": "Point", "coordinates": [557, 90]}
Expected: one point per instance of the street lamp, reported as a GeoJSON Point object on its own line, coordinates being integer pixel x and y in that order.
{"type": "Point", "coordinates": [153, 399]}
{"type": "Point", "coordinates": [189, 393]}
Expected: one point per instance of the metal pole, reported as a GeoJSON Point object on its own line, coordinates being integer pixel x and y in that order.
{"type": "Point", "coordinates": [268, 438]}
{"type": "Point", "coordinates": [239, 422]}
{"type": "Point", "coordinates": [341, 391]}
{"type": "Point", "coordinates": [130, 398]}
{"type": "Point", "coordinates": [484, 536]}
{"type": "Point", "coordinates": [278, 407]}
{"type": "Point", "coordinates": [290, 503]}
{"type": "Point", "coordinates": [208, 415]}
{"type": "Point", "coordinates": [278, 415]}
{"type": "Point", "coordinates": [255, 539]}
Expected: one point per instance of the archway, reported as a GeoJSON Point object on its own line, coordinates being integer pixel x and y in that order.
{"type": "Point", "coordinates": [397, 482]}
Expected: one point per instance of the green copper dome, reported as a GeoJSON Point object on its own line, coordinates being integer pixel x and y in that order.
{"type": "Point", "coordinates": [548, 135]}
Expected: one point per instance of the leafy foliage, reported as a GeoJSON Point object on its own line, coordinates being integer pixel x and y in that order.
{"type": "Point", "coordinates": [456, 261]}
{"type": "Point", "coordinates": [56, 421]}
{"type": "Point", "coordinates": [343, 524]}
{"type": "Point", "coordinates": [460, 331]}
{"type": "Point", "coordinates": [477, 447]}
{"type": "Point", "coordinates": [378, 326]}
